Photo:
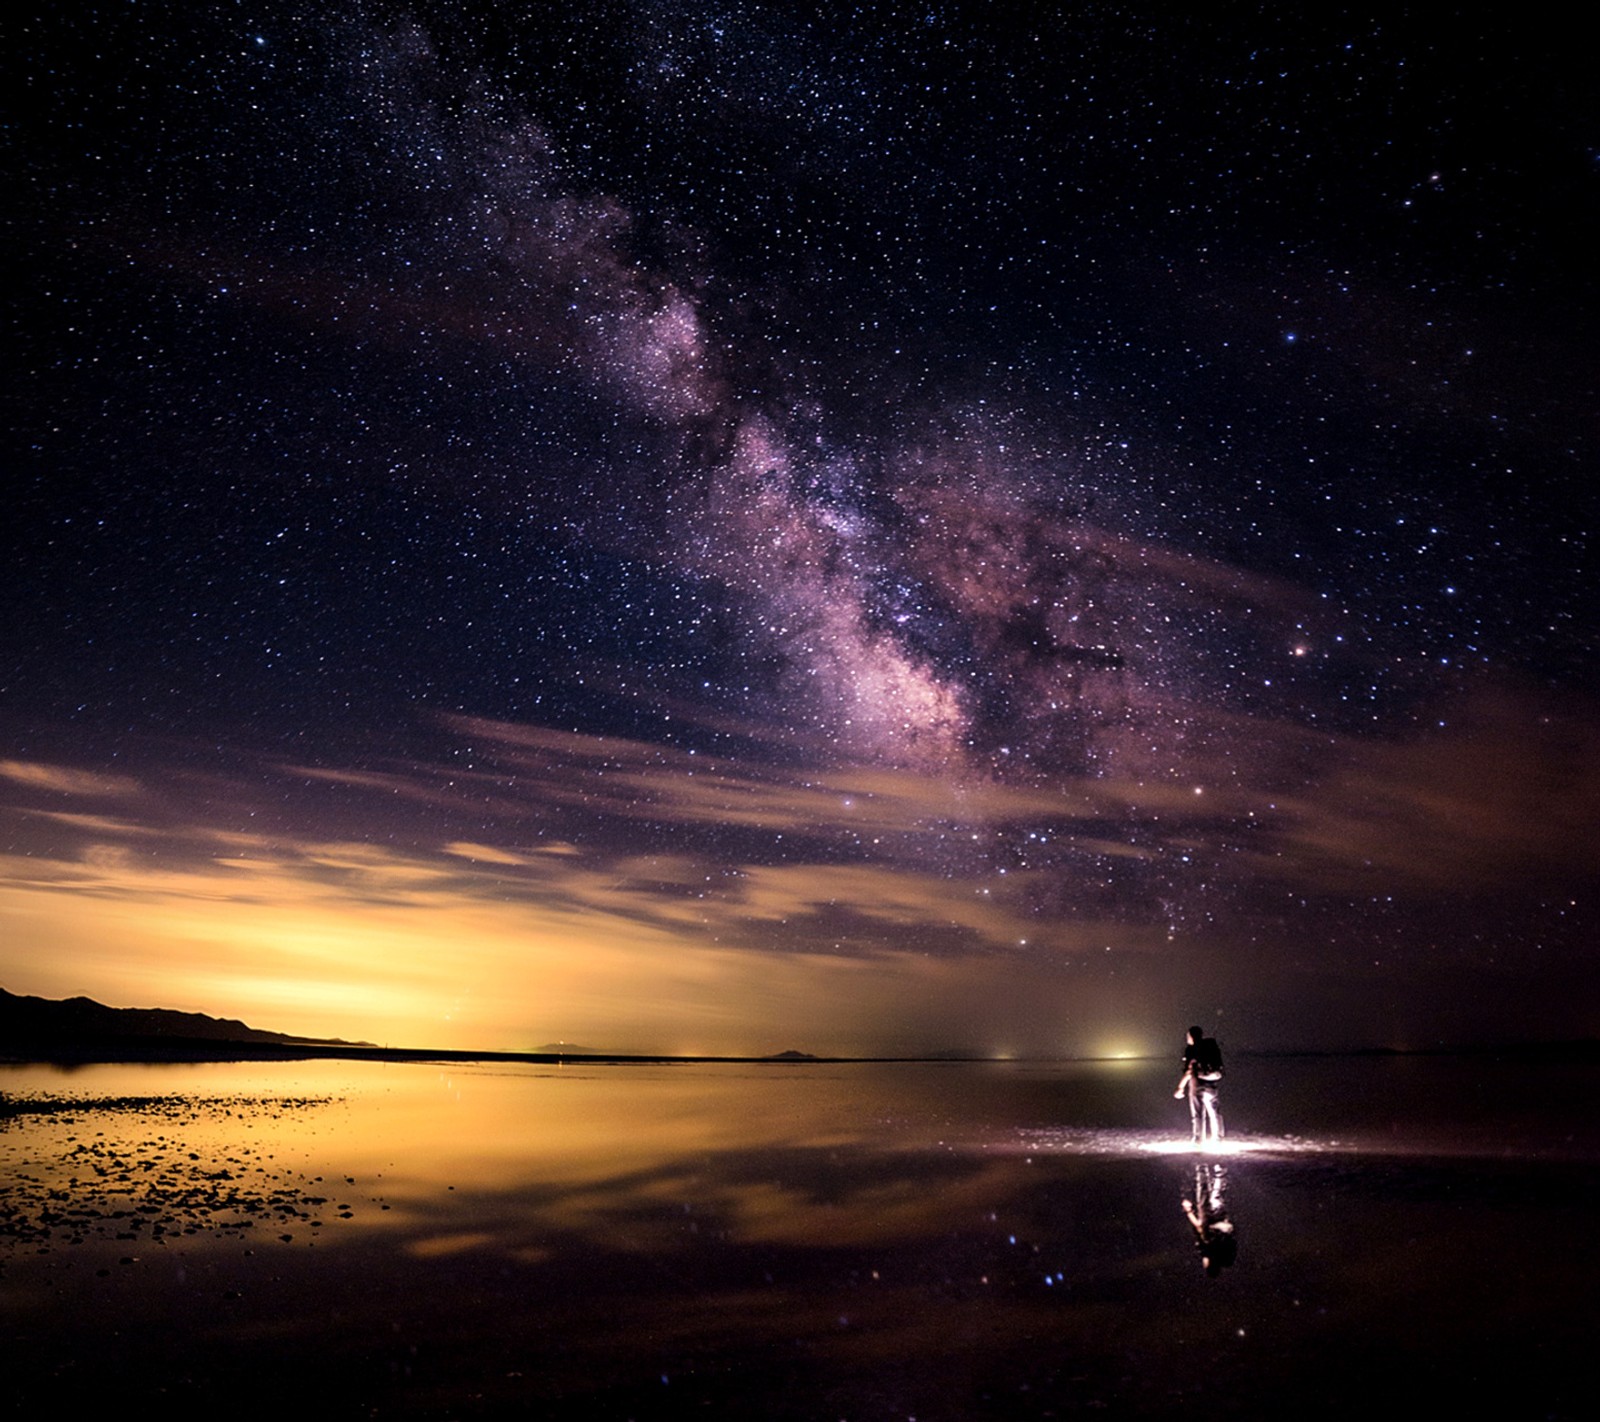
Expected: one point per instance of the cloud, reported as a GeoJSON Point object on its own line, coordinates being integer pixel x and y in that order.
{"type": "Point", "coordinates": [67, 780]}
{"type": "Point", "coordinates": [485, 854]}
{"type": "Point", "coordinates": [515, 883]}
{"type": "Point", "coordinates": [1506, 796]}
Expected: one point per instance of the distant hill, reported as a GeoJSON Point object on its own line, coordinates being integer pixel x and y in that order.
{"type": "Point", "coordinates": [79, 1027]}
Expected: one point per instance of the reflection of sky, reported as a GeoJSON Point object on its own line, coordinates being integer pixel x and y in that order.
{"type": "Point", "coordinates": [905, 1231]}
{"type": "Point", "coordinates": [505, 1159]}
{"type": "Point", "coordinates": [699, 532]}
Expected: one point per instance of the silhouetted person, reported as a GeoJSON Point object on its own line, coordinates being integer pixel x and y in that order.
{"type": "Point", "coordinates": [1207, 1214]}
{"type": "Point", "coordinates": [1201, 1081]}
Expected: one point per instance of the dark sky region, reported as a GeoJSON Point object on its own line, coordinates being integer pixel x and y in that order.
{"type": "Point", "coordinates": [873, 529]}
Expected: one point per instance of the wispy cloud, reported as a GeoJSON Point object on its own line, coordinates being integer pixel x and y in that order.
{"type": "Point", "coordinates": [66, 780]}
{"type": "Point", "coordinates": [518, 869]}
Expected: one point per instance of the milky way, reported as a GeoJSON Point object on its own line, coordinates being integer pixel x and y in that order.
{"type": "Point", "coordinates": [903, 487]}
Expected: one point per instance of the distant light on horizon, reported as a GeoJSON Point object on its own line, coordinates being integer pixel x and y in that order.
{"type": "Point", "coordinates": [1122, 1051]}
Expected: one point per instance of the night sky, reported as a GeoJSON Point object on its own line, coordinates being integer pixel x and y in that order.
{"type": "Point", "coordinates": [868, 529]}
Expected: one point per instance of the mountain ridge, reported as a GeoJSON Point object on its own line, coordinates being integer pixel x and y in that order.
{"type": "Point", "coordinates": [30, 1023]}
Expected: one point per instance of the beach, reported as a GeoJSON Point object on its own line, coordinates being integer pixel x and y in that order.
{"type": "Point", "coordinates": [861, 1241]}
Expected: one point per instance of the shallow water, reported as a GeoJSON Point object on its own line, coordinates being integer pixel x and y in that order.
{"type": "Point", "coordinates": [852, 1241]}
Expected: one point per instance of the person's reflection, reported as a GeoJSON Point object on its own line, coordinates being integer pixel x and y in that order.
{"type": "Point", "coordinates": [1207, 1213]}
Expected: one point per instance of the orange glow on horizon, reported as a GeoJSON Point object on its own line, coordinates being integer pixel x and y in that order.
{"type": "Point", "coordinates": [401, 953]}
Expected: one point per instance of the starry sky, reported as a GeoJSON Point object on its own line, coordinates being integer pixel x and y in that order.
{"type": "Point", "coordinates": [862, 528]}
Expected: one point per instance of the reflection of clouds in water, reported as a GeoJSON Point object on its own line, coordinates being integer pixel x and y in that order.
{"type": "Point", "coordinates": [781, 1198]}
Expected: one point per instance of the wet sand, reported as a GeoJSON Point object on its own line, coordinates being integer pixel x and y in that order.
{"type": "Point", "coordinates": [870, 1245]}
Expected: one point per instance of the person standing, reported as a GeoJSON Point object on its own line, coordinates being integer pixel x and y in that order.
{"type": "Point", "coordinates": [1201, 1082]}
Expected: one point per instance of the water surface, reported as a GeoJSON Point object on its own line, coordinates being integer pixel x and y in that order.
{"type": "Point", "coordinates": [818, 1240]}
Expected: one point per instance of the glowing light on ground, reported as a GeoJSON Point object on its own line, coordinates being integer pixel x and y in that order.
{"type": "Point", "coordinates": [1185, 1146]}
{"type": "Point", "coordinates": [1070, 1140]}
